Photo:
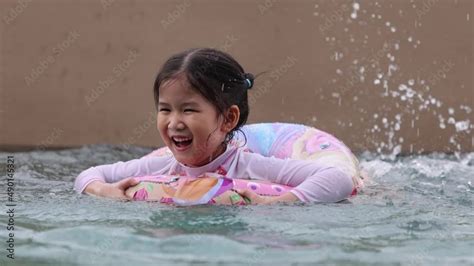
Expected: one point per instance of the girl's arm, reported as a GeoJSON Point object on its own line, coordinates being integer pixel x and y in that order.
{"type": "Point", "coordinates": [114, 190]}
{"type": "Point", "coordinates": [92, 180]}
{"type": "Point", "coordinates": [257, 199]}
{"type": "Point", "coordinates": [313, 181]}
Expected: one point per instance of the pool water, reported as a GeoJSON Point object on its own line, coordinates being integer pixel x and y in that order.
{"type": "Point", "coordinates": [415, 210]}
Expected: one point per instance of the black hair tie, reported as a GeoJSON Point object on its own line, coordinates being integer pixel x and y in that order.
{"type": "Point", "coordinates": [249, 78]}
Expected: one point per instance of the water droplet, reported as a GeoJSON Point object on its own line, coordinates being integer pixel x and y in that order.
{"type": "Point", "coordinates": [338, 56]}
{"type": "Point", "coordinates": [466, 108]}
{"type": "Point", "coordinates": [356, 6]}
{"type": "Point", "coordinates": [462, 125]}
{"type": "Point", "coordinates": [402, 87]}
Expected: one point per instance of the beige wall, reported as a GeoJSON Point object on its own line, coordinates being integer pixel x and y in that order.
{"type": "Point", "coordinates": [81, 72]}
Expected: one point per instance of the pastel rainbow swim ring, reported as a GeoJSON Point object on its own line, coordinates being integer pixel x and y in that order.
{"type": "Point", "coordinates": [281, 140]}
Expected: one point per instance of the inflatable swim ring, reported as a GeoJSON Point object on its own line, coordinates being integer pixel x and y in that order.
{"type": "Point", "coordinates": [209, 188]}
{"type": "Point", "coordinates": [281, 140]}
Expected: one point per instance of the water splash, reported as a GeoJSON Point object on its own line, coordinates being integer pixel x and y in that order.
{"type": "Point", "coordinates": [413, 95]}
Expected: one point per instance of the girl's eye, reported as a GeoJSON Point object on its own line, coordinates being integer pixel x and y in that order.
{"type": "Point", "coordinates": [164, 110]}
{"type": "Point", "coordinates": [189, 110]}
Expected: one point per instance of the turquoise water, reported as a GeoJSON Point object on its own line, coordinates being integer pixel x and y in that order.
{"type": "Point", "coordinates": [415, 211]}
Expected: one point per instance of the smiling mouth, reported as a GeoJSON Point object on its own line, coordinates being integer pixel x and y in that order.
{"type": "Point", "coordinates": [182, 143]}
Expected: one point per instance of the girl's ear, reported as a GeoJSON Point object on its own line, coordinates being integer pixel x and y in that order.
{"type": "Point", "coordinates": [231, 118]}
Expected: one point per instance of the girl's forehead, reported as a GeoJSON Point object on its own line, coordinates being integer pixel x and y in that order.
{"type": "Point", "coordinates": [176, 83]}
{"type": "Point", "coordinates": [177, 86]}
{"type": "Point", "coordinates": [179, 89]}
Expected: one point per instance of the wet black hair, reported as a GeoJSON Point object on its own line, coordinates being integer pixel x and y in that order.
{"type": "Point", "coordinates": [214, 74]}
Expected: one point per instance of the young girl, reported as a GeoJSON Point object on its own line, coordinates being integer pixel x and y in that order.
{"type": "Point", "coordinates": [201, 98]}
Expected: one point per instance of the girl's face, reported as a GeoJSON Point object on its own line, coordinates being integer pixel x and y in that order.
{"type": "Point", "coordinates": [189, 124]}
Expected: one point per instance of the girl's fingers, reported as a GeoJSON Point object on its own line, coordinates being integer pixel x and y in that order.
{"type": "Point", "coordinates": [252, 196]}
{"type": "Point", "coordinates": [126, 183]}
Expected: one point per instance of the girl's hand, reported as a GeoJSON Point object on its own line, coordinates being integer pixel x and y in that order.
{"type": "Point", "coordinates": [257, 199]}
{"type": "Point", "coordinates": [111, 190]}
{"type": "Point", "coordinates": [253, 197]}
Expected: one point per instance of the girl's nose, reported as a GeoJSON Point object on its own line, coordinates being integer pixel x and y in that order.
{"type": "Point", "coordinates": [176, 124]}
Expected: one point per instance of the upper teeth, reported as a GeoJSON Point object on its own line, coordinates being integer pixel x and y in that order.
{"type": "Point", "coordinates": [181, 139]}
